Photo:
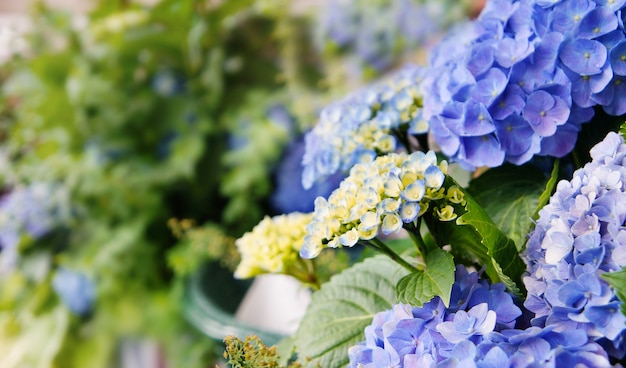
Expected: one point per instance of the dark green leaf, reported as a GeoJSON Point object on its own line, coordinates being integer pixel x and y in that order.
{"type": "Point", "coordinates": [510, 195]}
{"type": "Point", "coordinates": [435, 279]}
{"type": "Point", "coordinates": [342, 308]}
{"type": "Point", "coordinates": [474, 238]}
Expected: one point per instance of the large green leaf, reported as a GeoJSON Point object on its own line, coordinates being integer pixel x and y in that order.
{"type": "Point", "coordinates": [510, 195]}
{"type": "Point", "coordinates": [342, 308]}
{"type": "Point", "coordinates": [474, 237]}
{"type": "Point", "coordinates": [435, 279]}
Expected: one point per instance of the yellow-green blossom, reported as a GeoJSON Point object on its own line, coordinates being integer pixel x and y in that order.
{"type": "Point", "coordinates": [379, 197]}
{"type": "Point", "coordinates": [272, 246]}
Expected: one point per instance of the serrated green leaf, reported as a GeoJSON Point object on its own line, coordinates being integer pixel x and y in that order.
{"type": "Point", "coordinates": [510, 195]}
{"type": "Point", "coordinates": [474, 238]}
{"type": "Point", "coordinates": [435, 279]}
{"type": "Point", "coordinates": [342, 308]}
{"type": "Point", "coordinates": [617, 280]}
{"type": "Point", "coordinates": [545, 196]}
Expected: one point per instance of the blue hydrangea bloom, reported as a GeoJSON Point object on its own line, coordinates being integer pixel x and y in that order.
{"type": "Point", "coordinates": [470, 334]}
{"type": "Point", "coordinates": [289, 195]}
{"type": "Point", "coordinates": [579, 236]}
{"type": "Point", "coordinates": [361, 126]}
{"type": "Point", "coordinates": [379, 33]}
{"type": "Point", "coordinates": [533, 70]}
{"type": "Point", "coordinates": [29, 211]}
{"type": "Point", "coordinates": [76, 290]}
{"type": "Point", "coordinates": [405, 335]}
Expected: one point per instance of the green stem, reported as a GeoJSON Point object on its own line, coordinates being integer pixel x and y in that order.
{"type": "Point", "coordinates": [401, 135]}
{"type": "Point", "coordinates": [379, 245]}
{"type": "Point", "coordinates": [576, 157]}
{"type": "Point", "coordinates": [416, 236]}
{"type": "Point", "coordinates": [307, 274]}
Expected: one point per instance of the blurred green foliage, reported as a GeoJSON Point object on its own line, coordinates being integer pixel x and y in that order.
{"type": "Point", "coordinates": [133, 111]}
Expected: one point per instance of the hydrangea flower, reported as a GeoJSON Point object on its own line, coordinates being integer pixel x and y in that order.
{"type": "Point", "coordinates": [525, 78]}
{"type": "Point", "coordinates": [579, 236]}
{"type": "Point", "coordinates": [289, 195]}
{"type": "Point", "coordinates": [29, 212]}
{"type": "Point", "coordinates": [361, 126]}
{"type": "Point", "coordinates": [477, 330]}
{"type": "Point", "coordinates": [76, 290]}
{"type": "Point", "coordinates": [379, 32]}
{"type": "Point", "coordinates": [272, 246]}
{"type": "Point", "coordinates": [380, 197]}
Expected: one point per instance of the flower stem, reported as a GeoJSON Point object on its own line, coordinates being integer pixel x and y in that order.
{"type": "Point", "coordinates": [379, 245]}
{"type": "Point", "coordinates": [413, 228]}
{"type": "Point", "coordinates": [401, 136]}
{"type": "Point", "coordinates": [304, 271]}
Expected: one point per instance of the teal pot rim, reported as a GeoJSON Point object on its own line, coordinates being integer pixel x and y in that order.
{"type": "Point", "coordinates": [208, 316]}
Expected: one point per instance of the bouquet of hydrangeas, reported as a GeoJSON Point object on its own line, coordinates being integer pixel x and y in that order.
{"type": "Point", "coordinates": [522, 265]}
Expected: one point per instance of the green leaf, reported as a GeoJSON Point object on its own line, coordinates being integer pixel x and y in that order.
{"type": "Point", "coordinates": [510, 195]}
{"type": "Point", "coordinates": [545, 196]}
{"type": "Point", "coordinates": [474, 238]}
{"type": "Point", "coordinates": [617, 280]}
{"type": "Point", "coordinates": [342, 308]}
{"type": "Point", "coordinates": [436, 279]}
{"type": "Point", "coordinates": [285, 349]}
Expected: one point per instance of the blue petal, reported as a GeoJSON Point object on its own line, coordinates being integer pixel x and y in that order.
{"type": "Point", "coordinates": [478, 121]}
{"type": "Point", "coordinates": [614, 94]}
{"type": "Point", "coordinates": [597, 22]}
{"type": "Point", "coordinates": [481, 59]}
{"type": "Point", "coordinates": [562, 142]}
{"type": "Point", "coordinates": [511, 101]}
{"type": "Point", "coordinates": [585, 57]}
{"type": "Point", "coordinates": [512, 51]}
{"type": "Point", "coordinates": [490, 86]}
{"type": "Point", "coordinates": [515, 136]}
{"type": "Point", "coordinates": [572, 294]}
{"type": "Point", "coordinates": [618, 58]}
{"type": "Point", "coordinates": [568, 14]}
{"type": "Point", "coordinates": [447, 141]}
{"type": "Point", "coordinates": [483, 151]}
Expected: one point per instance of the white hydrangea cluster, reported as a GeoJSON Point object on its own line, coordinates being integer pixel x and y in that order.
{"type": "Point", "coordinates": [272, 246]}
{"type": "Point", "coordinates": [380, 197]}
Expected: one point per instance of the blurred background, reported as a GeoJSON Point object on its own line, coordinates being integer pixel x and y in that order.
{"type": "Point", "coordinates": [139, 139]}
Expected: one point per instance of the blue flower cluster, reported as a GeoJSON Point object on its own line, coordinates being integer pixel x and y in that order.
{"type": "Point", "coordinates": [361, 126]}
{"type": "Point", "coordinates": [579, 236]}
{"type": "Point", "coordinates": [76, 290]}
{"type": "Point", "coordinates": [477, 330]}
{"type": "Point", "coordinates": [527, 76]}
{"type": "Point", "coordinates": [289, 195]}
{"type": "Point", "coordinates": [379, 31]}
{"type": "Point", "coordinates": [31, 211]}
